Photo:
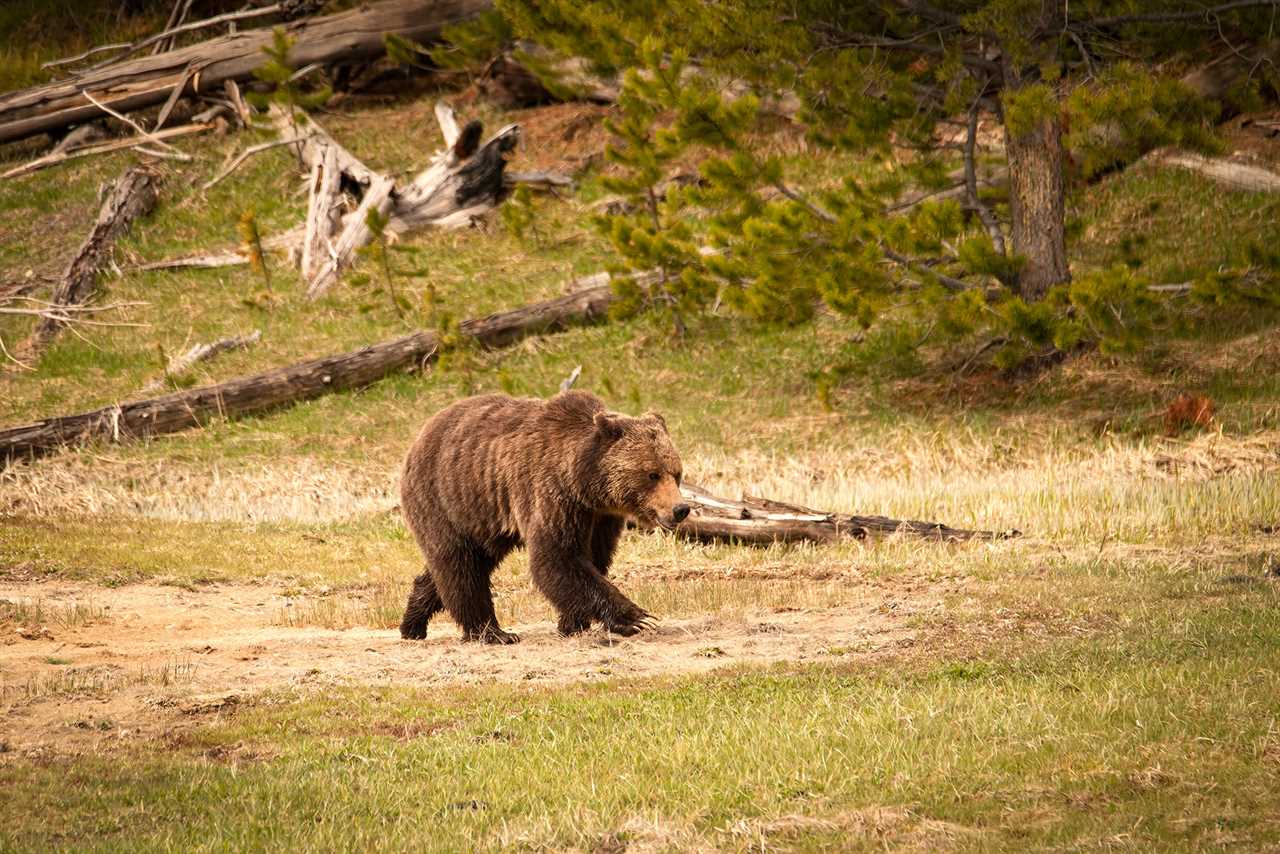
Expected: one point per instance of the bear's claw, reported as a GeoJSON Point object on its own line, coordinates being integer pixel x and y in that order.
{"type": "Point", "coordinates": [633, 624]}
{"type": "Point", "coordinates": [491, 635]}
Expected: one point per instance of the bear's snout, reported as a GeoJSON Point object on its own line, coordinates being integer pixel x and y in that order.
{"type": "Point", "coordinates": [680, 512]}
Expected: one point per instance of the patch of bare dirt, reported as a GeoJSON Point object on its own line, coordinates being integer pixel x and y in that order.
{"type": "Point", "coordinates": [152, 660]}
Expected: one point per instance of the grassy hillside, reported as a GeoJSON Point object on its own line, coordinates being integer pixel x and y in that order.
{"type": "Point", "coordinates": [1104, 681]}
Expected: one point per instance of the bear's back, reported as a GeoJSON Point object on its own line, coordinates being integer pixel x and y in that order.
{"type": "Point", "coordinates": [480, 460]}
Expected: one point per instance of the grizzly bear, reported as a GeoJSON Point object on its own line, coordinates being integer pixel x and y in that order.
{"type": "Point", "coordinates": [560, 477]}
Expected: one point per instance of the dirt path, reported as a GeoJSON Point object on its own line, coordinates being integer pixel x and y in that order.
{"type": "Point", "coordinates": [141, 661]}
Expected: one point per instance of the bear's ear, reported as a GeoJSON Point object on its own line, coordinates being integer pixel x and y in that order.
{"type": "Point", "coordinates": [608, 425]}
{"type": "Point", "coordinates": [655, 417]}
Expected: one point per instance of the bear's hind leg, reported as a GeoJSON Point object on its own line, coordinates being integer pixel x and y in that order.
{"type": "Point", "coordinates": [461, 574]}
{"type": "Point", "coordinates": [424, 603]}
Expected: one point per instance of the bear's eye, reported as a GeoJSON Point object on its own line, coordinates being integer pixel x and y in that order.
{"type": "Point", "coordinates": [653, 475]}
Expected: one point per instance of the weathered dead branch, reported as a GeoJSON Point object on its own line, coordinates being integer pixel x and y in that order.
{"type": "Point", "coordinates": [245, 155]}
{"type": "Point", "coordinates": [761, 521]}
{"type": "Point", "coordinates": [72, 152]}
{"type": "Point", "coordinates": [1228, 173]}
{"type": "Point", "coordinates": [133, 195]}
{"type": "Point", "coordinates": [180, 364]}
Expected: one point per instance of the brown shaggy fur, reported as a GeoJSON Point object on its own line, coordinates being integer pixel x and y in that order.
{"type": "Point", "coordinates": [490, 473]}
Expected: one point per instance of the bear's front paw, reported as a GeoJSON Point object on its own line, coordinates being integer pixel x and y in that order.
{"type": "Point", "coordinates": [491, 634]}
{"type": "Point", "coordinates": [631, 623]}
{"type": "Point", "coordinates": [413, 632]}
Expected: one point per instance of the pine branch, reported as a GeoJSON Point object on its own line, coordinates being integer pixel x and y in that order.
{"type": "Point", "coordinates": [915, 44]}
{"type": "Point", "coordinates": [949, 282]}
{"type": "Point", "coordinates": [820, 212]}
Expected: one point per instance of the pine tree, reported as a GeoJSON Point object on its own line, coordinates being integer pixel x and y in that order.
{"type": "Point", "coordinates": [880, 78]}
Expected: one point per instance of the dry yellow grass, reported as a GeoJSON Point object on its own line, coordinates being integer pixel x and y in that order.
{"type": "Point", "coordinates": [1154, 489]}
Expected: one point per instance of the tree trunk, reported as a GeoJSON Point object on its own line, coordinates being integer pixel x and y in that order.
{"type": "Point", "coordinates": [355, 34]}
{"type": "Point", "coordinates": [1037, 207]}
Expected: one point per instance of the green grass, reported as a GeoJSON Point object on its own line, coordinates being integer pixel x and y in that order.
{"type": "Point", "coordinates": [1132, 743]}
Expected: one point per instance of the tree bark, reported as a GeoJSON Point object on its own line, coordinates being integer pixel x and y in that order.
{"type": "Point", "coordinates": [1037, 207]}
{"type": "Point", "coordinates": [1037, 196]}
{"type": "Point", "coordinates": [147, 81]}
{"type": "Point", "coordinates": [133, 195]}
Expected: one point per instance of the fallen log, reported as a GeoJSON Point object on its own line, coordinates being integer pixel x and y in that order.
{"type": "Point", "coordinates": [147, 81]}
{"type": "Point", "coordinates": [762, 521]}
{"type": "Point", "coordinates": [1228, 173]}
{"type": "Point", "coordinates": [294, 383]}
{"type": "Point", "coordinates": [133, 195]}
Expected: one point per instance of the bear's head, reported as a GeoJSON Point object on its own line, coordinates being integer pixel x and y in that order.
{"type": "Point", "coordinates": [640, 469]}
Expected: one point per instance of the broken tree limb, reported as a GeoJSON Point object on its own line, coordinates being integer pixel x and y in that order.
{"type": "Point", "coordinates": [448, 123]}
{"type": "Point", "coordinates": [56, 157]}
{"type": "Point", "coordinates": [205, 262]}
{"type": "Point", "coordinates": [69, 315]}
{"type": "Point", "coordinates": [545, 181]}
{"type": "Point", "coordinates": [130, 122]}
{"type": "Point", "coordinates": [133, 195]}
{"type": "Point", "coordinates": [1228, 173]}
{"type": "Point", "coordinates": [200, 353]}
{"type": "Point", "coordinates": [148, 81]}
{"type": "Point", "coordinates": [316, 140]}
{"type": "Point", "coordinates": [463, 182]}
{"type": "Point", "coordinates": [761, 521]}
{"type": "Point", "coordinates": [355, 234]}
{"type": "Point", "coordinates": [245, 155]}
{"type": "Point", "coordinates": [454, 192]}
{"type": "Point", "coordinates": [170, 31]}
{"type": "Point", "coordinates": [294, 383]}
{"type": "Point", "coordinates": [324, 212]}
{"type": "Point", "coordinates": [72, 60]}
